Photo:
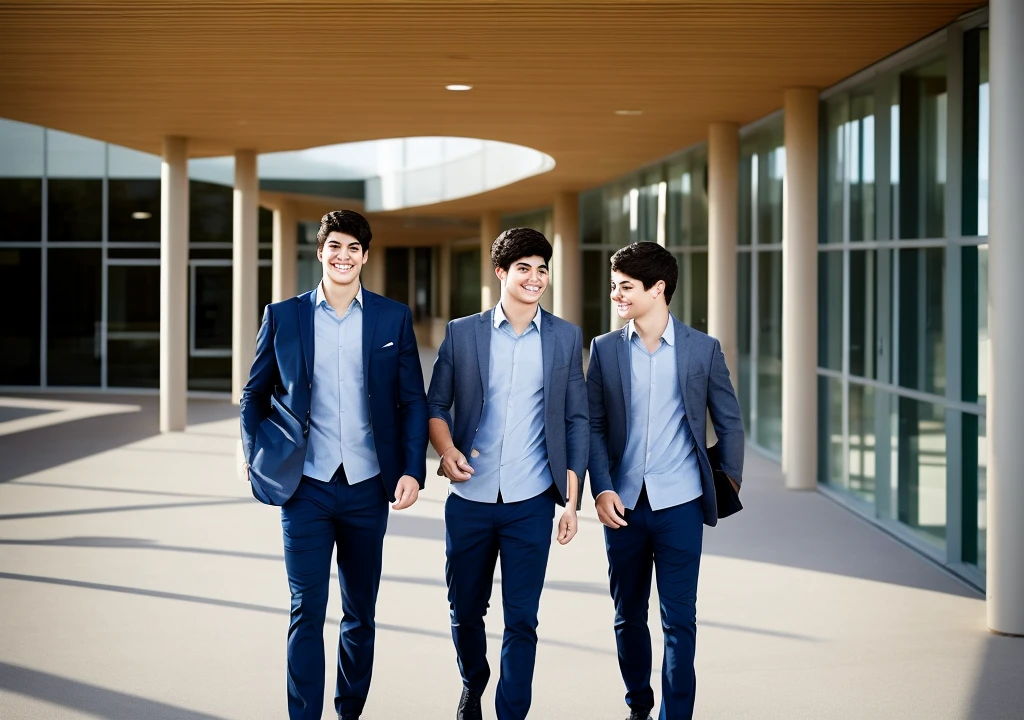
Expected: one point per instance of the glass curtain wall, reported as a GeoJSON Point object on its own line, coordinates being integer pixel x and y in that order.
{"type": "Point", "coordinates": [902, 270]}
{"type": "Point", "coordinates": [759, 282]}
{"type": "Point", "coordinates": [667, 204]}
{"type": "Point", "coordinates": [80, 254]}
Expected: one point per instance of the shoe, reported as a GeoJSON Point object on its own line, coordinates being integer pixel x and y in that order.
{"type": "Point", "coordinates": [469, 706]}
{"type": "Point", "coordinates": [639, 715]}
{"type": "Point", "coordinates": [348, 717]}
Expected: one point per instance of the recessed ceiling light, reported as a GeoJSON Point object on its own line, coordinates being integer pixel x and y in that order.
{"type": "Point", "coordinates": [141, 215]}
{"type": "Point", "coordinates": [458, 88]}
{"type": "Point", "coordinates": [629, 112]}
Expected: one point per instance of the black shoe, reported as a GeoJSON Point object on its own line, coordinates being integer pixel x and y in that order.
{"type": "Point", "coordinates": [469, 706]}
{"type": "Point", "coordinates": [347, 717]}
{"type": "Point", "coordinates": [639, 715]}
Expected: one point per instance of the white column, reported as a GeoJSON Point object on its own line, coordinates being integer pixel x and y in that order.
{"type": "Point", "coordinates": [490, 288]}
{"type": "Point", "coordinates": [245, 276]}
{"type": "Point", "coordinates": [285, 253]}
{"type": "Point", "coordinates": [800, 291]}
{"type": "Point", "coordinates": [568, 300]}
{"type": "Point", "coordinates": [723, 210]}
{"type": "Point", "coordinates": [174, 285]}
{"type": "Point", "coordinates": [372, 275]}
{"type": "Point", "coordinates": [1005, 411]}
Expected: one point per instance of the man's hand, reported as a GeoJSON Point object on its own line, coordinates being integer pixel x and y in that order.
{"type": "Point", "coordinates": [455, 466]}
{"type": "Point", "coordinates": [610, 510]}
{"type": "Point", "coordinates": [407, 492]}
{"type": "Point", "coordinates": [567, 526]}
{"type": "Point", "coordinates": [245, 471]}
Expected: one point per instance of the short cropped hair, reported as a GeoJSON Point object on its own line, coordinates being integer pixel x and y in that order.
{"type": "Point", "coordinates": [347, 222]}
{"type": "Point", "coordinates": [517, 243]}
{"type": "Point", "coordinates": [648, 262]}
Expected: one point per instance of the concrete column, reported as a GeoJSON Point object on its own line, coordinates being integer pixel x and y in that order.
{"type": "Point", "coordinates": [174, 285]}
{"type": "Point", "coordinates": [245, 273]}
{"type": "Point", "coordinates": [800, 291]}
{"type": "Point", "coordinates": [372, 276]}
{"type": "Point", "coordinates": [490, 288]}
{"type": "Point", "coordinates": [723, 212]}
{"type": "Point", "coordinates": [444, 281]}
{"type": "Point", "coordinates": [1005, 411]}
{"type": "Point", "coordinates": [568, 296]}
{"type": "Point", "coordinates": [285, 253]}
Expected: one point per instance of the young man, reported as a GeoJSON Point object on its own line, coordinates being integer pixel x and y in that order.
{"type": "Point", "coordinates": [517, 445]}
{"type": "Point", "coordinates": [650, 386]}
{"type": "Point", "coordinates": [334, 425]}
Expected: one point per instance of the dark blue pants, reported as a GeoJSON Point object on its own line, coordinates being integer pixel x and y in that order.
{"type": "Point", "coordinates": [476, 535]}
{"type": "Point", "coordinates": [318, 517]}
{"type": "Point", "coordinates": [669, 542]}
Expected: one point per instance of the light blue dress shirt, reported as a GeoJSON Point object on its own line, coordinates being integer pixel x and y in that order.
{"type": "Point", "coordinates": [660, 451]}
{"type": "Point", "coordinates": [339, 413]}
{"type": "Point", "coordinates": [509, 452]}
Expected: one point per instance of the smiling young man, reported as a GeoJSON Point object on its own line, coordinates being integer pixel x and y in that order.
{"type": "Point", "coordinates": [650, 386]}
{"type": "Point", "coordinates": [515, 445]}
{"type": "Point", "coordinates": [334, 425]}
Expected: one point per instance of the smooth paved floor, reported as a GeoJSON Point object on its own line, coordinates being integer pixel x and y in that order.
{"type": "Point", "coordinates": [139, 580]}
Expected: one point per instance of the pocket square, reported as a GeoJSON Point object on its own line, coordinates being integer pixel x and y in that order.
{"type": "Point", "coordinates": [386, 346]}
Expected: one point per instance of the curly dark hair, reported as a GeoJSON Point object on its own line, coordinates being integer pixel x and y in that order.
{"type": "Point", "coordinates": [516, 243]}
{"type": "Point", "coordinates": [648, 262]}
{"type": "Point", "coordinates": [347, 222]}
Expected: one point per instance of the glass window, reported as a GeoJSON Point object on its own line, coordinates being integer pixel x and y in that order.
{"type": "Point", "coordinates": [74, 210]}
{"type": "Point", "coordinates": [20, 332]}
{"type": "Point", "coordinates": [830, 310]}
{"type": "Point", "coordinates": [133, 326]}
{"type": "Point", "coordinates": [851, 168]}
{"type": "Point", "coordinates": [211, 308]}
{"type": "Point", "coordinates": [863, 314]}
{"type": "Point", "coordinates": [921, 327]}
{"type": "Point", "coordinates": [861, 467]}
{"type": "Point", "coordinates": [690, 301]}
{"type": "Point", "coordinates": [590, 217]}
{"type": "Point", "coordinates": [922, 152]}
{"type": "Point", "coordinates": [830, 432]}
{"type": "Point", "coordinates": [73, 287]}
{"type": "Point", "coordinates": [769, 190]}
{"type": "Point", "coordinates": [620, 214]}
{"type": "Point", "coordinates": [596, 304]}
{"type": "Point", "coordinates": [651, 207]}
{"type": "Point", "coordinates": [127, 164]}
{"type": "Point", "coordinates": [743, 333]}
{"type": "Point", "coordinates": [687, 214]}
{"type": "Point", "coordinates": [748, 182]}
{"type": "Point", "coordinates": [21, 210]}
{"type": "Point", "coordinates": [210, 373]}
{"type": "Point", "coordinates": [975, 133]}
{"type": "Point", "coordinates": [21, 150]}
{"type": "Point", "coordinates": [134, 213]}
{"type": "Point", "coordinates": [396, 274]}
{"type": "Point", "coordinates": [975, 490]}
{"type": "Point", "coordinates": [769, 354]}
{"type": "Point", "coordinates": [211, 212]}
{"type": "Point", "coordinates": [465, 289]}
{"type": "Point", "coordinates": [919, 446]}
{"type": "Point", "coordinates": [74, 156]}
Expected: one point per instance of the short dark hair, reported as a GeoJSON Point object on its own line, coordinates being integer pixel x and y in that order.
{"type": "Point", "coordinates": [648, 262]}
{"type": "Point", "coordinates": [347, 222]}
{"type": "Point", "coordinates": [516, 243]}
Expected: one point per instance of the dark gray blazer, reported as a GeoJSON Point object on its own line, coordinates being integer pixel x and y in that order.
{"type": "Point", "coordinates": [460, 379]}
{"type": "Point", "coordinates": [704, 379]}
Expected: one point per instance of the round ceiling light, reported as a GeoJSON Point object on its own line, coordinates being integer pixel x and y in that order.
{"type": "Point", "coordinates": [458, 87]}
{"type": "Point", "coordinates": [629, 112]}
{"type": "Point", "coordinates": [141, 215]}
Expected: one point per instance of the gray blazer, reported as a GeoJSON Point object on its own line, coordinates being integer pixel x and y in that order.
{"type": "Point", "coordinates": [460, 379]}
{"type": "Point", "coordinates": [704, 378]}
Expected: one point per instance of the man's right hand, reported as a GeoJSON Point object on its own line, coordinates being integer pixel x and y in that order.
{"type": "Point", "coordinates": [455, 466]}
{"type": "Point", "coordinates": [610, 510]}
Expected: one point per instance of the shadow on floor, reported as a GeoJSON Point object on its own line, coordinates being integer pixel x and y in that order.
{"type": "Point", "coordinates": [999, 692]}
{"type": "Point", "coordinates": [92, 699]}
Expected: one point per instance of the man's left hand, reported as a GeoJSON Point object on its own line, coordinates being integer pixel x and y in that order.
{"type": "Point", "coordinates": [567, 526]}
{"type": "Point", "coordinates": [407, 492]}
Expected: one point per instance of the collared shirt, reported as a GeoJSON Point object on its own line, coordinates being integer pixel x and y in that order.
{"type": "Point", "coordinates": [509, 452]}
{"type": "Point", "coordinates": [660, 451]}
{"type": "Point", "coordinates": [339, 413]}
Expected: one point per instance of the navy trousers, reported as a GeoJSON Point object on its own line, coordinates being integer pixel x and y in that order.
{"type": "Point", "coordinates": [669, 542]}
{"type": "Point", "coordinates": [476, 535]}
{"type": "Point", "coordinates": [318, 517]}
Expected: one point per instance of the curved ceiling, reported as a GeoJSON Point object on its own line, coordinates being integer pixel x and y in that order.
{"type": "Point", "coordinates": [275, 76]}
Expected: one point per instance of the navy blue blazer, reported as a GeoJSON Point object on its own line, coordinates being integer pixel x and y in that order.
{"type": "Point", "coordinates": [461, 375]}
{"type": "Point", "coordinates": [704, 379]}
{"type": "Point", "coordinates": [276, 400]}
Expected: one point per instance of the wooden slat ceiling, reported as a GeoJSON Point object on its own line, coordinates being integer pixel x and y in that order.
{"type": "Point", "coordinates": [549, 75]}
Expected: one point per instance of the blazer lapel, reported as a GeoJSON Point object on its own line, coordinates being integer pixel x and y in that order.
{"type": "Point", "coordinates": [625, 375]}
{"type": "Point", "coordinates": [547, 348]}
{"type": "Point", "coordinates": [369, 325]}
{"type": "Point", "coordinates": [483, 348]}
{"type": "Point", "coordinates": [307, 307]}
{"type": "Point", "coordinates": [682, 333]}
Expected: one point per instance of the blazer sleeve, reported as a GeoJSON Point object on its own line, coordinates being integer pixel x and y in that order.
{"type": "Point", "coordinates": [263, 375]}
{"type": "Point", "coordinates": [725, 416]}
{"type": "Point", "coordinates": [577, 416]}
{"type": "Point", "coordinates": [441, 394]}
{"type": "Point", "coordinates": [600, 474]}
{"type": "Point", "coordinates": [412, 403]}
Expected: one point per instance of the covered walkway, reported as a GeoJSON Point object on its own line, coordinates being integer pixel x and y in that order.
{"type": "Point", "coordinates": [138, 579]}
